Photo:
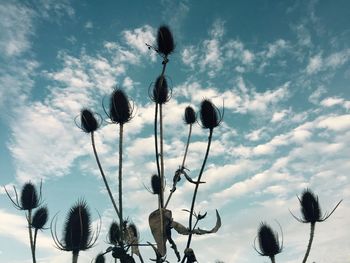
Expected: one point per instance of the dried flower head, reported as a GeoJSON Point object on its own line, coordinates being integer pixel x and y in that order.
{"type": "Point", "coordinates": [210, 115]}
{"type": "Point", "coordinates": [190, 115]}
{"type": "Point", "coordinates": [88, 121]}
{"type": "Point", "coordinates": [268, 241]}
{"type": "Point", "coordinates": [310, 208]}
{"type": "Point", "coordinates": [114, 233]}
{"type": "Point", "coordinates": [165, 41]}
{"type": "Point", "coordinates": [29, 199]}
{"type": "Point", "coordinates": [156, 184]}
{"type": "Point", "coordinates": [77, 233]}
{"type": "Point", "coordinates": [120, 109]}
{"type": "Point", "coordinates": [100, 259]}
{"type": "Point", "coordinates": [161, 92]}
{"type": "Point", "coordinates": [40, 218]}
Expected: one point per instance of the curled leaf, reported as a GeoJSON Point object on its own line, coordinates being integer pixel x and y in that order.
{"type": "Point", "coordinates": [155, 225]}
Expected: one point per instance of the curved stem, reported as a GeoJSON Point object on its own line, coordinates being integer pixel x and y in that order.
{"type": "Point", "coordinates": [120, 179]}
{"type": "Point", "coordinates": [31, 235]}
{"type": "Point", "coordinates": [312, 232]}
{"type": "Point", "coordinates": [183, 163]}
{"type": "Point", "coordinates": [75, 257]}
{"type": "Point", "coordinates": [102, 173]}
{"type": "Point", "coordinates": [196, 188]}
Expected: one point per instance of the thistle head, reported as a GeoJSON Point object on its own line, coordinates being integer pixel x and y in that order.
{"type": "Point", "coordinates": [100, 259]}
{"type": "Point", "coordinates": [40, 218]}
{"type": "Point", "coordinates": [311, 209]}
{"type": "Point", "coordinates": [156, 184]}
{"type": "Point", "coordinates": [210, 115]}
{"type": "Point", "coordinates": [29, 197]}
{"type": "Point", "coordinates": [120, 109]}
{"type": "Point", "coordinates": [88, 121]}
{"type": "Point", "coordinates": [77, 231]}
{"type": "Point", "coordinates": [190, 115]}
{"type": "Point", "coordinates": [114, 233]}
{"type": "Point", "coordinates": [161, 90]}
{"type": "Point", "coordinates": [165, 41]}
{"type": "Point", "coordinates": [268, 241]}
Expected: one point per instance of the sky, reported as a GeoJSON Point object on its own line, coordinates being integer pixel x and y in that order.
{"type": "Point", "coordinates": [280, 69]}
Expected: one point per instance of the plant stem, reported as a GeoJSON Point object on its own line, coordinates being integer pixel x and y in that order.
{"type": "Point", "coordinates": [102, 173]}
{"type": "Point", "coordinates": [183, 162]}
{"type": "Point", "coordinates": [312, 232]}
{"type": "Point", "coordinates": [156, 149]}
{"type": "Point", "coordinates": [273, 259]}
{"type": "Point", "coordinates": [161, 153]}
{"type": "Point", "coordinates": [31, 235]}
{"type": "Point", "coordinates": [196, 189]}
{"type": "Point", "coordinates": [75, 257]}
{"type": "Point", "coordinates": [120, 180]}
{"type": "Point", "coordinates": [35, 235]}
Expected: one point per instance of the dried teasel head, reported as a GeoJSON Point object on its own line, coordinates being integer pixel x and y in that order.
{"type": "Point", "coordinates": [100, 259]}
{"type": "Point", "coordinates": [114, 233]}
{"type": "Point", "coordinates": [40, 218]}
{"type": "Point", "coordinates": [77, 231]}
{"type": "Point", "coordinates": [161, 92]}
{"type": "Point", "coordinates": [120, 108]}
{"type": "Point", "coordinates": [311, 209]}
{"type": "Point", "coordinates": [29, 199]}
{"type": "Point", "coordinates": [165, 40]}
{"type": "Point", "coordinates": [156, 184]}
{"type": "Point", "coordinates": [190, 115]}
{"type": "Point", "coordinates": [210, 115]}
{"type": "Point", "coordinates": [268, 241]}
{"type": "Point", "coordinates": [88, 121]}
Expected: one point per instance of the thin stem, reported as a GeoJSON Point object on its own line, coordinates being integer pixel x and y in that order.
{"type": "Point", "coordinates": [156, 148]}
{"type": "Point", "coordinates": [273, 259]}
{"type": "Point", "coordinates": [35, 235]}
{"type": "Point", "coordinates": [161, 153]}
{"type": "Point", "coordinates": [196, 189]}
{"type": "Point", "coordinates": [312, 232]}
{"type": "Point", "coordinates": [103, 174]}
{"type": "Point", "coordinates": [120, 179]}
{"type": "Point", "coordinates": [75, 257]}
{"type": "Point", "coordinates": [183, 163]}
{"type": "Point", "coordinates": [31, 235]}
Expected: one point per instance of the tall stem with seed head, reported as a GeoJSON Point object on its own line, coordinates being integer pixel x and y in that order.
{"type": "Point", "coordinates": [196, 189]}
{"type": "Point", "coordinates": [31, 235]}
{"type": "Point", "coordinates": [312, 232]}
{"type": "Point", "coordinates": [103, 174]}
{"type": "Point", "coordinates": [120, 179]}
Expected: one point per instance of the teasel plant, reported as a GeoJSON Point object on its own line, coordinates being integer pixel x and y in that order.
{"type": "Point", "coordinates": [269, 243]}
{"type": "Point", "coordinates": [160, 95]}
{"type": "Point", "coordinates": [311, 214]}
{"type": "Point", "coordinates": [77, 231]}
{"type": "Point", "coordinates": [29, 200]}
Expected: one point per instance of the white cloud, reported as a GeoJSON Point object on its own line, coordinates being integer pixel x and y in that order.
{"type": "Point", "coordinates": [315, 64]}
{"type": "Point", "coordinates": [89, 25]}
{"type": "Point", "coordinates": [335, 123]}
{"type": "Point", "coordinates": [279, 116]}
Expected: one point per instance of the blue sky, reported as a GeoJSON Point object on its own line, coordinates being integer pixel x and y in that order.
{"type": "Point", "coordinates": [281, 68]}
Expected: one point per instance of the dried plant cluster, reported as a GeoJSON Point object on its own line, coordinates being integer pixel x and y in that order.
{"type": "Point", "coordinates": [123, 236]}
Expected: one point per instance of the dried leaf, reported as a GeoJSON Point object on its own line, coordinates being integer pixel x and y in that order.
{"type": "Point", "coordinates": [155, 225]}
{"type": "Point", "coordinates": [181, 229]}
{"type": "Point", "coordinates": [215, 229]}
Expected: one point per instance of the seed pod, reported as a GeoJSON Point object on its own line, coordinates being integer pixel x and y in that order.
{"type": "Point", "coordinates": [165, 41]}
{"type": "Point", "coordinates": [88, 121]}
{"type": "Point", "coordinates": [114, 233]}
{"type": "Point", "coordinates": [156, 184]}
{"type": "Point", "coordinates": [161, 91]}
{"type": "Point", "coordinates": [310, 207]}
{"type": "Point", "coordinates": [120, 110]}
{"type": "Point", "coordinates": [40, 218]}
{"type": "Point", "coordinates": [190, 115]}
{"type": "Point", "coordinates": [100, 259]}
{"type": "Point", "coordinates": [268, 241]}
{"type": "Point", "coordinates": [210, 116]}
{"type": "Point", "coordinates": [29, 197]}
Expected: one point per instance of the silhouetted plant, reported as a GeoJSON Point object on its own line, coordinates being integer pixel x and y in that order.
{"type": "Point", "coordinates": [77, 233]}
{"type": "Point", "coordinates": [30, 200]}
{"type": "Point", "coordinates": [268, 242]}
{"type": "Point", "coordinates": [311, 213]}
{"type": "Point", "coordinates": [100, 259]}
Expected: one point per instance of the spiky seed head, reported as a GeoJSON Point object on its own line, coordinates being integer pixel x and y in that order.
{"type": "Point", "coordinates": [161, 91]}
{"type": "Point", "coordinates": [165, 41]}
{"type": "Point", "coordinates": [77, 228]}
{"type": "Point", "coordinates": [310, 207]}
{"type": "Point", "coordinates": [209, 115]}
{"type": "Point", "coordinates": [40, 218]}
{"type": "Point", "coordinates": [88, 121]}
{"type": "Point", "coordinates": [191, 257]}
{"type": "Point", "coordinates": [114, 233]}
{"type": "Point", "coordinates": [29, 197]}
{"type": "Point", "coordinates": [133, 230]}
{"type": "Point", "coordinates": [268, 241]}
{"type": "Point", "coordinates": [100, 259]}
{"type": "Point", "coordinates": [190, 115]}
{"type": "Point", "coordinates": [120, 110]}
{"type": "Point", "coordinates": [156, 184]}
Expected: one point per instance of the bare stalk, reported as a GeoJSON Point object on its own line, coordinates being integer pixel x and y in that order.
{"type": "Point", "coordinates": [312, 232]}
{"type": "Point", "coordinates": [31, 235]}
{"type": "Point", "coordinates": [75, 257]}
{"type": "Point", "coordinates": [273, 259]}
{"type": "Point", "coordinates": [120, 179]}
{"type": "Point", "coordinates": [102, 174]}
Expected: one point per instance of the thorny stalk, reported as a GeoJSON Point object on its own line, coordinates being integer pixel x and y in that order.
{"type": "Point", "coordinates": [102, 174]}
